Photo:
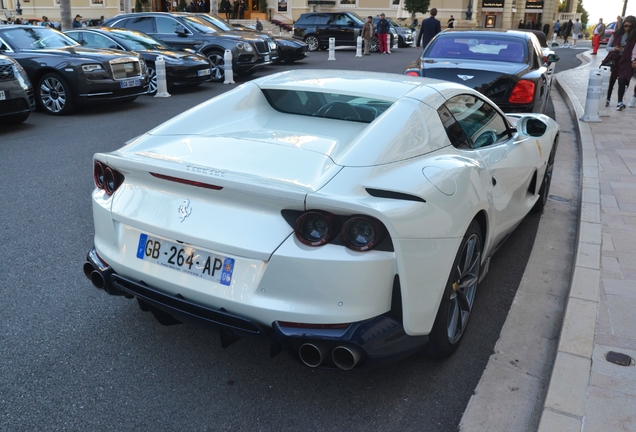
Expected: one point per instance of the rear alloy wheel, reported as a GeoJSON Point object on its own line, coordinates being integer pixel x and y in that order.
{"type": "Point", "coordinates": [313, 44]}
{"type": "Point", "coordinates": [547, 180]}
{"type": "Point", "coordinates": [54, 95]}
{"type": "Point", "coordinates": [152, 78]}
{"type": "Point", "coordinates": [217, 66]}
{"type": "Point", "coordinates": [375, 45]}
{"type": "Point", "coordinates": [458, 298]}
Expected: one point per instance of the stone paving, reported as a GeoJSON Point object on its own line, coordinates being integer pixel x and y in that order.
{"type": "Point", "coordinates": [587, 392]}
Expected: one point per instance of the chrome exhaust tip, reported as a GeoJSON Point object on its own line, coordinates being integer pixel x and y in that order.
{"type": "Point", "coordinates": [88, 269]}
{"type": "Point", "coordinates": [345, 358]}
{"type": "Point", "coordinates": [311, 355]}
{"type": "Point", "coordinates": [98, 280]}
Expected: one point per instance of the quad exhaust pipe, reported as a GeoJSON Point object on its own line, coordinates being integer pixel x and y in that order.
{"type": "Point", "coordinates": [343, 357]}
{"type": "Point", "coordinates": [96, 278]}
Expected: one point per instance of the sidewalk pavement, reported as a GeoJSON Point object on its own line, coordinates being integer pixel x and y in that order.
{"type": "Point", "coordinates": [587, 392]}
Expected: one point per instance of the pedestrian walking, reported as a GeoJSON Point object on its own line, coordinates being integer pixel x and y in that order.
{"type": "Point", "coordinates": [598, 33]}
{"type": "Point", "coordinates": [430, 27]}
{"type": "Point", "coordinates": [451, 22]}
{"type": "Point", "coordinates": [621, 51]}
{"type": "Point", "coordinates": [382, 29]}
{"type": "Point", "coordinates": [566, 32]}
{"type": "Point", "coordinates": [367, 34]}
{"type": "Point", "coordinates": [577, 27]}
{"type": "Point", "coordinates": [235, 9]}
{"type": "Point", "coordinates": [557, 28]}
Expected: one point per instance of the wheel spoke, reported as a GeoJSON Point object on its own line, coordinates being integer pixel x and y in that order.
{"type": "Point", "coordinates": [454, 317]}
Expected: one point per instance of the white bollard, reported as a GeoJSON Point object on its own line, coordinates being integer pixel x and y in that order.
{"type": "Point", "coordinates": [605, 73]}
{"type": "Point", "coordinates": [332, 49]}
{"type": "Point", "coordinates": [162, 84]}
{"type": "Point", "coordinates": [229, 72]}
{"type": "Point", "coordinates": [359, 46]}
{"type": "Point", "coordinates": [593, 97]}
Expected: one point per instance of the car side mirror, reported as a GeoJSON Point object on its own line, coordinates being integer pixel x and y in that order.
{"type": "Point", "coordinates": [181, 31]}
{"type": "Point", "coordinates": [531, 126]}
{"type": "Point", "coordinates": [552, 58]}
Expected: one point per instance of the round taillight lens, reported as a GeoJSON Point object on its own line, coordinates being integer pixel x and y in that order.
{"type": "Point", "coordinates": [110, 181]}
{"type": "Point", "coordinates": [362, 233]}
{"type": "Point", "coordinates": [315, 228]}
{"type": "Point", "coordinates": [98, 174]}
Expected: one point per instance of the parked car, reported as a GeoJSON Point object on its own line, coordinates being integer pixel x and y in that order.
{"type": "Point", "coordinates": [507, 66]}
{"type": "Point", "coordinates": [289, 50]}
{"type": "Point", "coordinates": [181, 30]}
{"type": "Point", "coordinates": [404, 35]}
{"type": "Point", "coordinates": [609, 31]}
{"type": "Point", "coordinates": [545, 50]}
{"type": "Point", "coordinates": [346, 219]}
{"type": "Point", "coordinates": [182, 68]}
{"type": "Point", "coordinates": [16, 92]}
{"type": "Point", "coordinates": [316, 28]}
{"type": "Point", "coordinates": [67, 75]}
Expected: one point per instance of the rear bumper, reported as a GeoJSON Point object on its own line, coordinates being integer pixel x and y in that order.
{"type": "Point", "coordinates": [363, 344]}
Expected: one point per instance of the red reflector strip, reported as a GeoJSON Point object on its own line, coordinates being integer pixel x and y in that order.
{"type": "Point", "coordinates": [313, 326]}
{"type": "Point", "coordinates": [187, 182]}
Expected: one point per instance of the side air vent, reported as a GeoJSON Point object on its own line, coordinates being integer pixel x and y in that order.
{"type": "Point", "coordinates": [379, 193]}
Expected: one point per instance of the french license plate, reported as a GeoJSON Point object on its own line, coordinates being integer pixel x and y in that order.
{"type": "Point", "coordinates": [135, 82]}
{"type": "Point", "coordinates": [203, 72]}
{"type": "Point", "coordinates": [185, 259]}
{"type": "Point", "coordinates": [266, 58]}
{"type": "Point", "coordinates": [2, 96]}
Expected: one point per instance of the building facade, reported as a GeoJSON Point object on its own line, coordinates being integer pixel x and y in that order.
{"type": "Point", "coordinates": [468, 13]}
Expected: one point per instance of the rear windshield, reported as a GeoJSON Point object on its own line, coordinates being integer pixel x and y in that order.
{"type": "Point", "coordinates": [328, 105]}
{"type": "Point", "coordinates": [478, 48]}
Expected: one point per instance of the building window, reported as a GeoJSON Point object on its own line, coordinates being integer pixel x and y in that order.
{"type": "Point", "coordinates": [348, 3]}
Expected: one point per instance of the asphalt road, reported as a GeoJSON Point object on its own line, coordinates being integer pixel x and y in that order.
{"type": "Point", "coordinates": [74, 358]}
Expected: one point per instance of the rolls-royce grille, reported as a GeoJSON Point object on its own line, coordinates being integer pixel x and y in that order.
{"type": "Point", "coordinates": [125, 69]}
{"type": "Point", "coordinates": [6, 72]}
{"type": "Point", "coordinates": [262, 47]}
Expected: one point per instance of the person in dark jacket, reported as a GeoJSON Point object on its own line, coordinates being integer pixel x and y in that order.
{"type": "Point", "coordinates": [430, 27]}
{"type": "Point", "coordinates": [622, 44]}
{"type": "Point", "coordinates": [566, 31]}
{"type": "Point", "coordinates": [382, 30]}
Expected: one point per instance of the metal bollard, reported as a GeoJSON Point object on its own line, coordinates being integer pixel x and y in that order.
{"type": "Point", "coordinates": [229, 72]}
{"type": "Point", "coordinates": [593, 97]}
{"type": "Point", "coordinates": [359, 46]}
{"type": "Point", "coordinates": [162, 84]}
{"type": "Point", "coordinates": [605, 73]}
{"type": "Point", "coordinates": [395, 41]}
{"type": "Point", "coordinates": [332, 49]}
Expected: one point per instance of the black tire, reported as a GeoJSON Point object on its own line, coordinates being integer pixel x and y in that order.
{"type": "Point", "coordinates": [54, 96]}
{"type": "Point", "coordinates": [544, 191]}
{"type": "Point", "coordinates": [152, 78]}
{"type": "Point", "coordinates": [313, 43]}
{"type": "Point", "coordinates": [14, 119]}
{"type": "Point", "coordinates": [217, 65]}
{"type": "Point", "coordinates": [458, 298]}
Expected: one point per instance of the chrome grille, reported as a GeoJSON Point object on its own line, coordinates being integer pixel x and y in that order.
{"type": "Point", "coordinates": [125, 68]}
{"type": "Point", "coordinates": [6, 72]}
{"type": "Point", "coordinates": [262, 47]}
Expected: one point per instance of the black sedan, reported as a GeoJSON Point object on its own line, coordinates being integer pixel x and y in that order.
{"type": "Point", "coordinates": [289, 50]}
{"type": "Point", "coordinates": [182, 67]}
{"type": "Point", "coordinates": [181, 30]}
{"type": "Point", "coordinates": [16, 92]}
{"type": "Point", "coordinates": [505, 66]}
{"type": "Point", "coordinates": [65, 74]}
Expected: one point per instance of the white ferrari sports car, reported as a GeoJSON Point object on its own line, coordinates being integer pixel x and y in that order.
{"type": "Point", "coordinates": [348, 217]}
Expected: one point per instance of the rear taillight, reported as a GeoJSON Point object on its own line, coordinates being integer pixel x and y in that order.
{"type": "Point", "coordinates": [106, 178]}
{"type": "Point", "coordinates": [523, 93]}
{"type": "Point", "coordinates": [412, 73]}
{"type": "Point", "coordinates": [315, 228]}
{"type": "Point", "coordinates": [362, 233]}
{"type": "Point", "coordinates": [545, 59]}
{"type": "Point", "coordinates": [359, 233]}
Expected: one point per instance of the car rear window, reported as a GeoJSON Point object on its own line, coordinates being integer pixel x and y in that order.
{"type": "Point", "coordinates": [478, 48]}
{"type": "Point", "coordinates": [327, 105]}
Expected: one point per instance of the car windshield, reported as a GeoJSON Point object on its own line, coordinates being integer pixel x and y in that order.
{"type": "Point", "coordinates": [357, 18]}
{"type": "Point", "coordinates": [467, 47]}
{"type": "Point", "coordinates": [327, 105]}
{"type": "Point", "coordinates": [200, 24]}
{"type": "Point", "coordinates": [137, 40]}
{"type": "Point", "coordinates": [37, 38]}
{"type": "Point", "coordinates": [222, 25]}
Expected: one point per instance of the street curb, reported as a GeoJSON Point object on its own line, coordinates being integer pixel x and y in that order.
{"type": "Point", "coordinates": [566, 400]}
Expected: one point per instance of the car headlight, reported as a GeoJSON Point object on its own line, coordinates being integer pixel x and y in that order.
{"type": "Point", "coordinates": [272, 45]}
{"type": "Point", "coordinates": [20, 74]}
{"type": "Point", "coordinates": [245, 47]}
{"type": "Point", "coordinates": [92, 68]}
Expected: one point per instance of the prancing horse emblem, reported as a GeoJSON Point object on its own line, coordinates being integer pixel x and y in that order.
{"type": "Point", "coordinates": [185, 210]}
{"type": "Point", "coordinates": [466, 77]}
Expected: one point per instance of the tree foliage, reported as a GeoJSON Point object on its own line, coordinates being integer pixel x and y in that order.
{"type": "Point", "coordinates": [417, 6]}
{"type": "Point", "coordinates": [584, 15]}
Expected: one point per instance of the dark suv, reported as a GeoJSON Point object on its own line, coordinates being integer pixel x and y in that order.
{"type": "Point", "coordinates": [16, 92]}
{"type": "Point", "coordinates": [316, 28]}
{"type": "Point", "coordinates": [183, 30]}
